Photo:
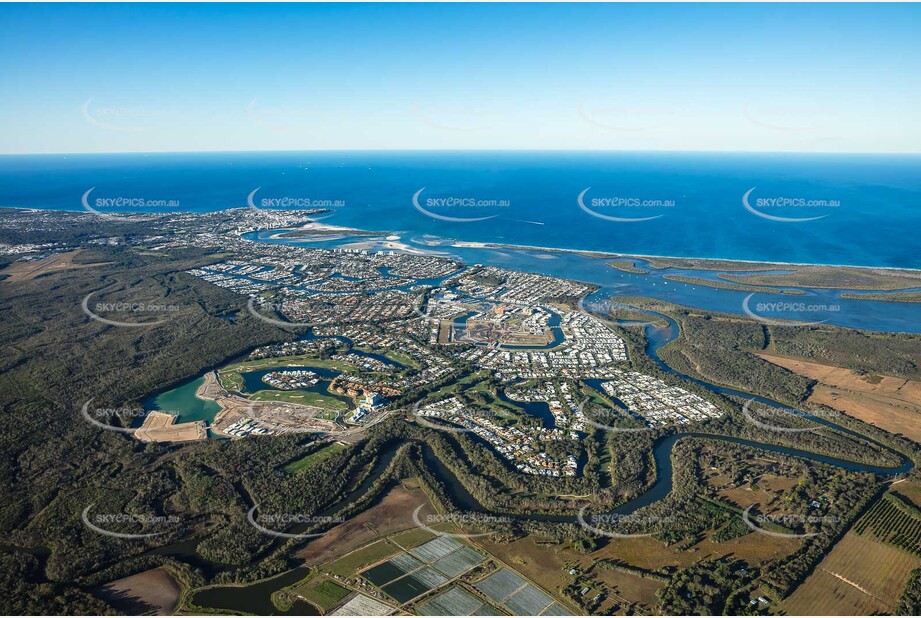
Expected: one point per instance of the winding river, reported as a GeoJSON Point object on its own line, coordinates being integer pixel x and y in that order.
{"type": "Point", "coordinates": [257, 597]}
{"type": "Point", "coordinates": [615, 283]}
{"type": "Point", "coordinates": [658, 337]}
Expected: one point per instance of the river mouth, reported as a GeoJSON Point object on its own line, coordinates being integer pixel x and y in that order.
{"type": "Point", "coordinates": [875, 315]}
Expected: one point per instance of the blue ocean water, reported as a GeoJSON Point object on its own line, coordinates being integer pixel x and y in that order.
{"type": "Point", "coordinates": [849, 209]}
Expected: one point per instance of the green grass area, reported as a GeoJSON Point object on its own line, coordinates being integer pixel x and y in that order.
{"type": "Point", "coordinates": [323, 593]}
{"type": "Point", "coordinates": [306, 398]}
{"type": "Point", "coordinates": [626, 314]}
{"type": "Point", "coordinates": [726, 285]}
{"type": "Point", "coordinates": [628, 266]}
{"type": "Point", "coordinates": [458, 385]}
{"type": "Point", "coordinates": [394, 355]}
{"type": "Point", "coordinates": [283, 361]}
{"type": "Point", "coordinates": [830, 277]}
{"type": "Point", "coordinates": [231, 381]}
{"type": "Point", "coordinates": [404, 359]}
{"type": "Point", "coordinates": [351, 563]}
{"type": "Point", "coordinates": [595, 397]}
{"type": "Point", "coordinates": [319, 455]}
{"type": "Point", "coordinates": [412, 537]}
{"type": "Point", "coordinates": [481, 387]}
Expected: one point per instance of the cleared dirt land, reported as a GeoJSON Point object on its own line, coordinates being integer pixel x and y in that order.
{"type": "Point", "coordinates": [162, 427]}
{"type": "Point", "coordinates": [893, 404]}
{"type": "Point", "coordinates": [25, 271]}
{"type": "Point", "coordinates": [549, 565]}
{"type": "Point", "coordinates": [910, 489]}
{"type": "Point", "coordinates": [860, 576]}
{"type": "Point", "coordinates": [150, 593]}
{"type": "Point", "coordinates": [549, 568]}
{"type": "Point", "coordinates": [392, 514]}
{"type": "Point", "coordinates": [281, 417]}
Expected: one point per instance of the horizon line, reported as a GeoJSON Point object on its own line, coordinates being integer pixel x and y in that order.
{"type": "Point", "coordinates": [462, 150]}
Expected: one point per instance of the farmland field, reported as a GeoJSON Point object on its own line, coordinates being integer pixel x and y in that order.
{"type": "Point", "coordinates": [455, 601]}
{"type": "Point", "coordinates": [319, 455]}
{"type": "Point", "coordinates": [412, 537]}
{"type": "Point", "coordinates": [423, 568]}
{"type": "Point", "coordinates": [891, 403]}
{"type": "Point", "coordinates": [519, 597]}
{"type": "Point", "coordinates": [411, 586]}
{"type": "Point", "coordinates": [894, 521]}
{"type": "Point", "coordinates": [361, 605]}
{"type": "Point", "coordinates": [156, 590]}
{"type": "Point", "coordinates": [548, 565]}
{"type": "Point", "coordinates": [860, 576]}
{"type": "Point", "coordinates": [556, 610]}
{"type": "Point", "coordinates": [324, 593]}
{"type": "Point", "coordinates": [500, 585]}
{"type": "Point", "coordinates": [458, 562]}
{"type": "Point", "coordinates": [347, 565]}
{"type": "Point", "coordinates": [430, 577]}
{"type": "Point", "coordinates": [387, 517]}
{"type": "Point", "coordinates": [436, 548]}
{"type": "Point", "coordinates": [529, 601]}
{"type": "Point", "coordinates": [910, 490]}
{"type": "Point", "coordinates": [392, 569]}
{"type": "Point", "coordinates": [405, 562]}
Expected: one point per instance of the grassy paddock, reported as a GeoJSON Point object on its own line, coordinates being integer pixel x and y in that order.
{"type": "Point", "coordinates": [319, 455]}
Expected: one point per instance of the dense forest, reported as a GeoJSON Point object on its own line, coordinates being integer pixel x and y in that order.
{"type": "Point", "coordinates": [910, 601]}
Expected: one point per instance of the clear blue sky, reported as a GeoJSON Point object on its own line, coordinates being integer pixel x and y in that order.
{"type": "Point", "coordinates": [143, 78]}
